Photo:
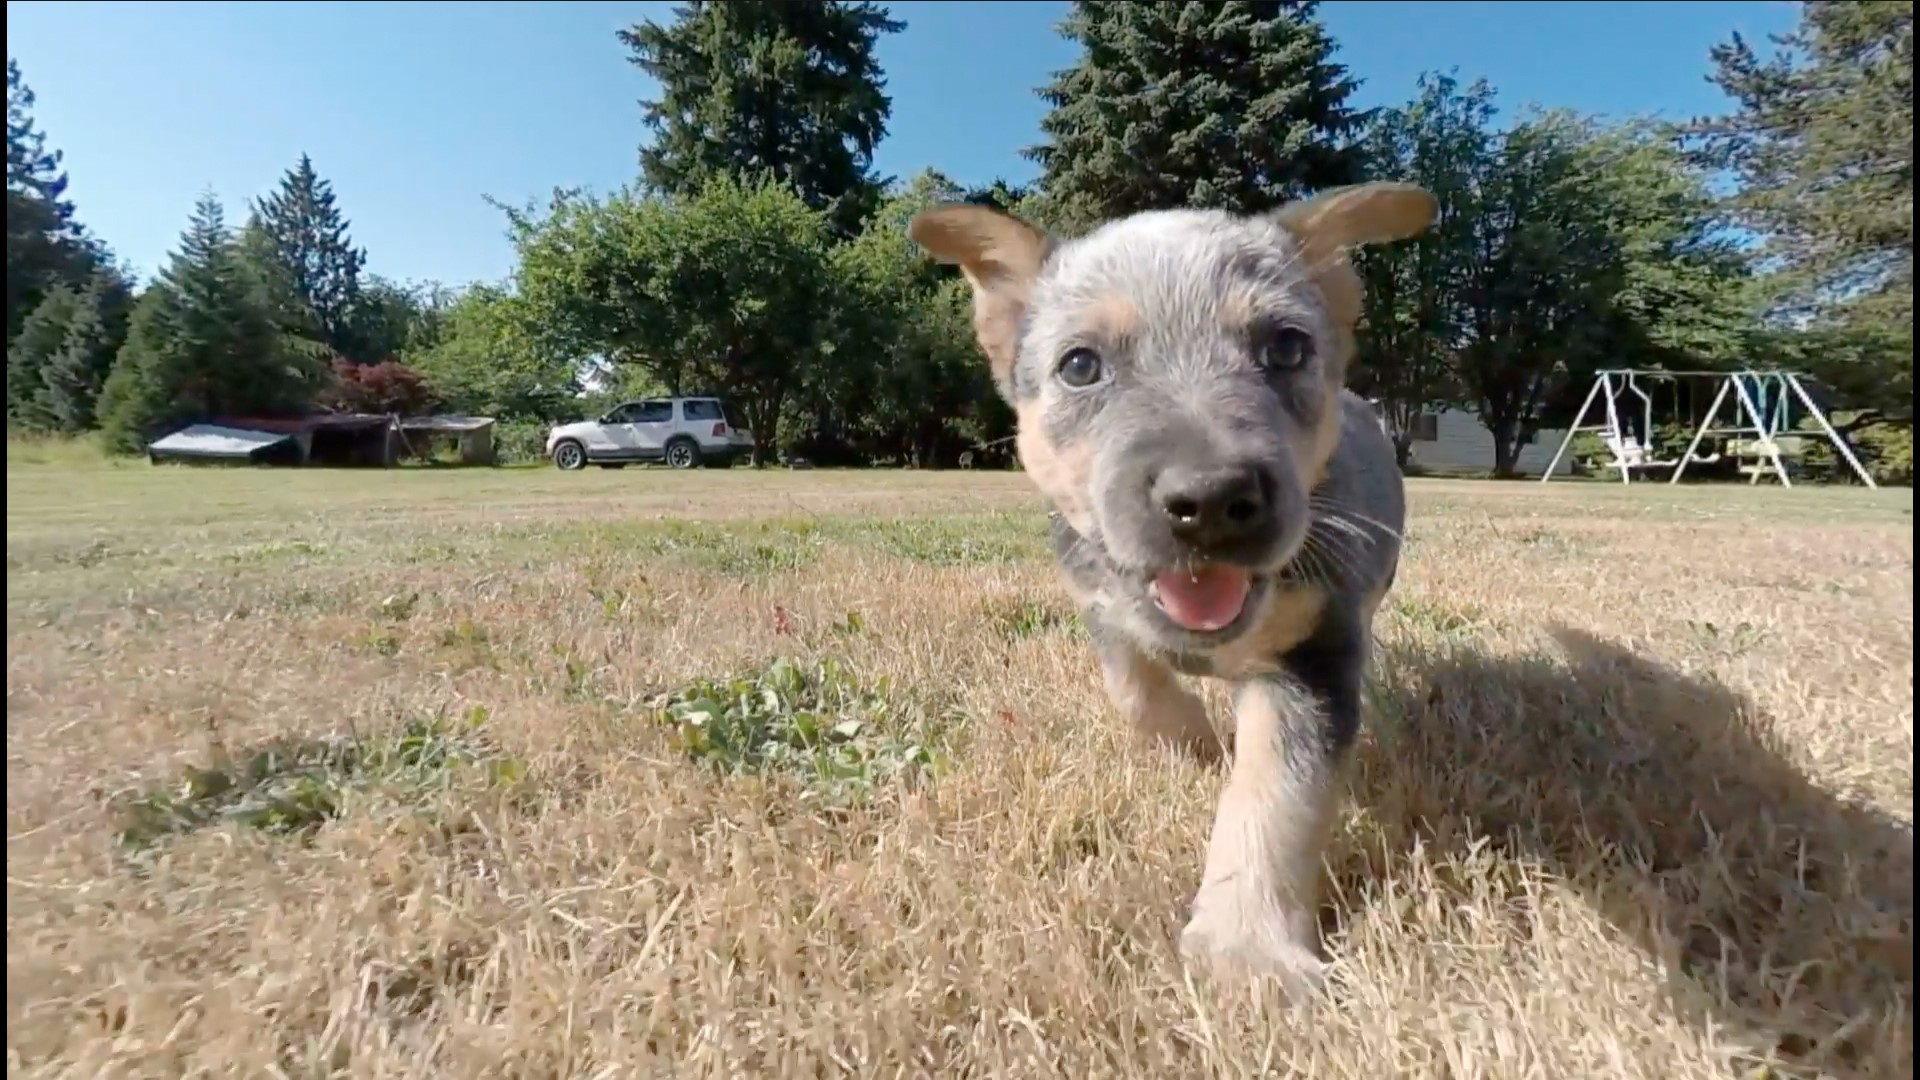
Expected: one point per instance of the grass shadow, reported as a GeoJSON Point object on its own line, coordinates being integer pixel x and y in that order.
{"type": "Point", "coordinates": [1782, 910]}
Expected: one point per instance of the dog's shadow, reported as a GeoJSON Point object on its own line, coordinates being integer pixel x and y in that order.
{"type": "Point", "coordinates": [1782, 910]}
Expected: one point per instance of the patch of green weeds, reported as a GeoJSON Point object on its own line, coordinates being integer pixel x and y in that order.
{"type": "Point", "coordinates": [744, 550]}
{"type": "Point", "coordinates": [291, 787]}
{"type": "Point", "coordinates": [1024, 618]}
{"type": "Point", "coordinates": [400, 606]}
{"type": "Point", "coordinates": [274, 551]}
{"type": "Point", "coordinates": [1737, 639]}
{"type": "Point", "coordinates": [844, 738]}
{"type": "Point", "coordinates": [1436, 619]}
{"type": "Point", "coordinates": [615, 598]}
{"type": "Point", "coordinates": [465, 634]}
{"type": "Point", "coordinates": [1547, 540]}
{"type": "Point", "coordinates": [378, 640]}
{"type": "Point", "coordinates": [965, 540]}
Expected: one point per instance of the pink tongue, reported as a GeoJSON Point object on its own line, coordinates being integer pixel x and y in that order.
{"type": "Point", "coordinates": [1204, 598]}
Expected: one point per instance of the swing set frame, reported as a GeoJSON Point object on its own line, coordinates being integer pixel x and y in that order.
{"type": "Point", "coordinates": [1749, 389]}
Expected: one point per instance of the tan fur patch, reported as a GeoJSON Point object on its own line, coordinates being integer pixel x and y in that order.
{"type": "Point", "coordinates": [996, 322]}
{"type": "Point", "coordinates": [1347, 217]}
{"type": "Point", "coordinates": [1291, 615]}
{"type": "Point", "coordinates": [1064, 474]}
{"type": "Point", "coordinates": [1340, 285]}
{"type": "Point", "coordinates": [1161, 710]}
{"type": "Point", "coordinates": [1000, 255]}
{"type": "Point", "coordinates": [1326, 226]}
{"type": "Point", "coordinates": [1257, 897]}
{"type": "Point", "coordinates": [1113, 318]}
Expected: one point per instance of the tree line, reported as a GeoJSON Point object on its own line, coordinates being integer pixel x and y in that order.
{"type": "Point", "coordinates": [760, 254]}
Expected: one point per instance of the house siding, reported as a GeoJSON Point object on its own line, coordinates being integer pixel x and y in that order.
{"type": "Point", "coordinates": [1463, 444]}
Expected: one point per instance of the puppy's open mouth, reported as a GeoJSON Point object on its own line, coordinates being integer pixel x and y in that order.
{"type": "Point", "coordinates": [1203, 598]}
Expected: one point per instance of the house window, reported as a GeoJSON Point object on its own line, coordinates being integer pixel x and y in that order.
{"type": "Point", "coordinates": [1426, 427]}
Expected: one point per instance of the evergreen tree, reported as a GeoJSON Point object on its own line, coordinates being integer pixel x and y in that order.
{"type": "Point", "coordinates": [42, 334]}
{"type": "Point", "coordinates": [46, 247]}
{"type": "Point", "coordinates": [32, 168]}
{"type": "Point", "coordinates": [72, 377]}
{"type": "Point", "coordinates": [790, 87]}
{"type": "Point", "coordinates": [202, 343]}
{"type": "Point", "coordinates": [1821, 140]}
{"type": "Point", "coordinates": [298, 241]}
{"type": "Point", "coordinates": [1235, 105]}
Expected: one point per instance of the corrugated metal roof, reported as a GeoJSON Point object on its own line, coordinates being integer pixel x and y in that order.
{"type": "Point", "coordinates": [215, 440]}
{"type": "Point", "coordinates": [295, 425]}
{"type": "Point", "coordinates": [445, 423]}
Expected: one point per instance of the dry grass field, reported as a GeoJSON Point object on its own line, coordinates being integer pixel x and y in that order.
{"type": "Point", "coordinates": [523, 774]}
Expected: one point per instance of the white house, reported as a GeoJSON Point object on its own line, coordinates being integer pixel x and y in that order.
{"type": "Point", "coordinates": [1454, 440]}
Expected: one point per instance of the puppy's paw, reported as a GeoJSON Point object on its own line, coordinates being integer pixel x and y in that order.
{"type": "Point", "coordinates": [1241, 941]}
{"type": "Point", "coordinates": [1180, 724]}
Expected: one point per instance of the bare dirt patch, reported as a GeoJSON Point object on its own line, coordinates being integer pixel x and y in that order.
{"type": "Point", "coordinates": [526, 774]}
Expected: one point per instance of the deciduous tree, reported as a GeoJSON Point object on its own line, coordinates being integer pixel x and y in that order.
{"type": "Point", "coordinates": [724, 290]}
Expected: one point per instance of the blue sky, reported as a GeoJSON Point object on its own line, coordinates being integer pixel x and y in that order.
{"type": "Point", "coordinates": [416, 111]}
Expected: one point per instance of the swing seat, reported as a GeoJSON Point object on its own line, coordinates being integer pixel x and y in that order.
{"type": "Point", "coordinates": [1629, 453]}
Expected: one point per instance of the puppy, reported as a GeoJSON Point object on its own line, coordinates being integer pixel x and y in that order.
{"type": "Point", "coordinates": [1221, 505]}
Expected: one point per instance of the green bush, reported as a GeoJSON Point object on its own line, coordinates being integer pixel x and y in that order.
{"type": "Point", "coordinates": [519, 442]}
{"type": "Point", "coordinates": [1886, 452]}
{"type": "Point", "coordinates": [1889, 453]}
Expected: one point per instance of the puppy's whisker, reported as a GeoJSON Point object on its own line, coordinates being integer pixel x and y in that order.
{"type": "Point", "coordinates": [1336, 509]}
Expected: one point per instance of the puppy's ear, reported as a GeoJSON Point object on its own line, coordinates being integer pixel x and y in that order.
{"type": "Point", "coordinates": [1000, 256]}
{"type": "Point", "coordinates": [1331, 223]}
{"type": "Point", "coordinates": [1349, 217]}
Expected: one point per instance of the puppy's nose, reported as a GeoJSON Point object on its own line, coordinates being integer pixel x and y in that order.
{"type": "Point", "coordinates": [1212, 507]}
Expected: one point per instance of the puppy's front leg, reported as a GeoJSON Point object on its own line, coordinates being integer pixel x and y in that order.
{"type": "Point", "coordinates": [1256, 909]}
{"type": "Point", "coordinates": [1152, 699]}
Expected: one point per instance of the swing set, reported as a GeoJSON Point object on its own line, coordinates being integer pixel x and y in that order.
{"type": "Point", "coordinates": [1763, 402]}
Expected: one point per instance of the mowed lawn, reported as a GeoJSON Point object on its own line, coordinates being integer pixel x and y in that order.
{"type": "Point", "coordinates": [521, 774]}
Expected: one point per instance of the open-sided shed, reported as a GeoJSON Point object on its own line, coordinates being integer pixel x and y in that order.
{"type": "Point", "coordinates": [362, 439]}
{"type": "Point", "coordinates": [215, 443]}
{"type": "Point", "coordinates": [472, 436]}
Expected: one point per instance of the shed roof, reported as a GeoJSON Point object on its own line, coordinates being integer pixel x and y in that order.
{"type": "Point", "coordinates": [295, 425]}
{"type": "Point", "coordinates": [215, 440]}
{"type": "Point", "coordinates": [445, 423]}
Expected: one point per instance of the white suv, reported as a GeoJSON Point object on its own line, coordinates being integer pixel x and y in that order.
{"type": "Point", "coordinates": [683, 432]}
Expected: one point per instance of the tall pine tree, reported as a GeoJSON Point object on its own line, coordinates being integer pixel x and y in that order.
{"type": "Point", "coordinates": [1821, 140]}
{"type": "Point", "coordinates": [298, 240]}
{"type": "Point", "coordinates": [42, 333]}
{"type": "Point", "coordinates": [1234, 105]}
{"type": "Point", "coordinates": [72, 376]}
{"type": "Point", "coordinates": [787, 86]}
{"type": "Point", "coordinates": [46, 248]}
{"type": "Point", "coordinates": [202, 344]}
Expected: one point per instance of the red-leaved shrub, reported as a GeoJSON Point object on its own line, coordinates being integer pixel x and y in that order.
{"type": "Point", "coordinates": [386, 387]}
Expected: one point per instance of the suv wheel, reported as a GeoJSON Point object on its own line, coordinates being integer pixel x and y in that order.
{"type": "Point", "coordinates": [683, 454]}
{"type": "Point", "coordinates": [570, 456]}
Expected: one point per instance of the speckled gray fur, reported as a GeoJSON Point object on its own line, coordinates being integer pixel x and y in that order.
{"type": "Point", "coordinates": [1183, 385]}
{"type": "Point", "coordinates": [1187, 355]}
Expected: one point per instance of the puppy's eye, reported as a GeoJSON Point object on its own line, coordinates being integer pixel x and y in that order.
{"type": "Point", "coordinates": [1284, 349]}
{"type": "Point", "coordinates": [1081, 367]}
